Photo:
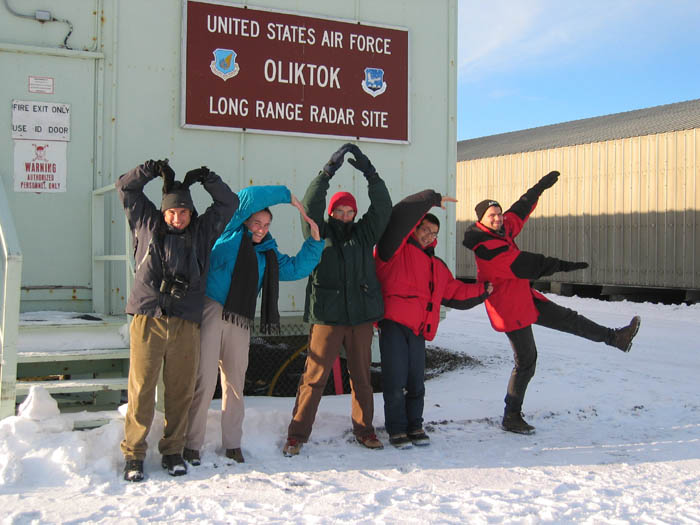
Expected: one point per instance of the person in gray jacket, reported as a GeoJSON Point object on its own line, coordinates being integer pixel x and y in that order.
{"type": "Point", "coordinates": [172, 249]}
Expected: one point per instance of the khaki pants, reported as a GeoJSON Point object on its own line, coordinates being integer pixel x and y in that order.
{"type": "Point", "coordinates": [172, 343]}
{"type": "Point", "coordinates": [224, 345]}
{"type": "Point", "coordinates": [324, 347]}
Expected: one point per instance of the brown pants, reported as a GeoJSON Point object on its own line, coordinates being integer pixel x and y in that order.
{"type": "Point", "coordinates": [173, 343]}
{"type": "Point", "coordinates": [324, 347]}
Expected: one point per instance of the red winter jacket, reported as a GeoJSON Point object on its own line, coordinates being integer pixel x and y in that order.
{"type": "Point", "coordinates": [414, 281]}
{"type": "Point", "coordinates": [499, 260]}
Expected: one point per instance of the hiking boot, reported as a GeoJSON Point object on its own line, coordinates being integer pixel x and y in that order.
{"type": "Point", "coordinates": [235, 454]}
{"type": "Point", "coordinates": [192, 457]}
{"type": "Point", "coordinates": [174, 464]}
{"type": "Point", "coordinates": [133, 470]}
{"type": "Point", "coordinates": [623, 336]}
{"type": "Point", "coordinates": [419, 438]}
{"type": "Point", "coordinates": [400, 441]}
{"type": "Point", "coordinates": [291, 447]}
{"type": "Point", "coordinates": [514, 422]}
{"type": "Point", "coordinates": [370, 441]}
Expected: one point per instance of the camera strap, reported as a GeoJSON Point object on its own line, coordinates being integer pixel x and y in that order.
{"type": "Point", "coordinates": [161, 231]}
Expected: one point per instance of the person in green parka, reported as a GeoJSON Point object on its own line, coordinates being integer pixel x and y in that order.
{"type": "Point", "coordinates": [343, 298]}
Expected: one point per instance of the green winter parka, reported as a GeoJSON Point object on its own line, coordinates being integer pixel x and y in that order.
{"type": "Point", "coordinates": [343, 289]}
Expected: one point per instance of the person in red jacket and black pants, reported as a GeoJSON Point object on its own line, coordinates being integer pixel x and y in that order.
{"type": "Point", "coordinates": [515, 306]}
{"type": "Point", "coordinates": [414, 285]}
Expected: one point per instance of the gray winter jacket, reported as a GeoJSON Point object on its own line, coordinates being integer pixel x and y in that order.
{"type": "Point", "coordinates": [161, 252]}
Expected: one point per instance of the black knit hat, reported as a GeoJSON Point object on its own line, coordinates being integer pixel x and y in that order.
{"type": "Point", "coordinates": [176, 194]}
{"type": "Point", "coordinates": [484, 205]}
{"type": "Point", "coordinates": [177, 198]}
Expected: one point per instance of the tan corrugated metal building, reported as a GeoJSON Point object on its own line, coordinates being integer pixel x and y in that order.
{"type": "Point", "coordinates": [628, 200]}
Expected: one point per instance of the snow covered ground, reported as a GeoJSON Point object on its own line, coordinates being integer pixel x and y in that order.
{"type": "Point", "coordinates": [617, 441]}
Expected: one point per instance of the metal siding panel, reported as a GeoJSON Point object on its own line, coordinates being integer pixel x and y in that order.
{"type": "Point", "coordinates": [610, 223]}
{"type": "Point", "coordinates": [671, 212]}
{"type": "Point", "coordinates": [662, 208]}
{"type": "Point", "coordinates": [680, 208]}
{"type": "Point", "coordinates": [653, 166]}
{"type": "Point", "coordinates": [635, 203]}
{"type": "Point", "coordinates": [628, 206]}
{"type": "Point", "coordinates": [645, 259]}
{"type": "Point", "coordinates": [596, 222]}
{"type": "Point", "coordinates": [696, 209]}
{"type": "Point", "coordinates": [627, 212]}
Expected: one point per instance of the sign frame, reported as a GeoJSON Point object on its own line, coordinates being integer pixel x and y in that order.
{"type": "Point", "coordinates": [183, 77]}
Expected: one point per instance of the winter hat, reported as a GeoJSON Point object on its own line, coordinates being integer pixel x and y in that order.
{"type": "Point", "coordinates": [342, 198]}
{"type": "Point", "coordinates": [484, 205]}
{"type": "Point", "coordinates": [176, 194]}
{"type": "Point", "coordinates": [177, 198]}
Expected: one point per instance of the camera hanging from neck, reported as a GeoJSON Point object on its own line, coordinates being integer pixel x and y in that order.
{"type": "Point", "coordinates": [173, 287]}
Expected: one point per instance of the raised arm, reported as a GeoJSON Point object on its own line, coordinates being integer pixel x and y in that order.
{"type": "Point", "coordinates": [374, 221]}
{"type": "Point", "coordinates": [225, 203]}
{"type": "Point", "coordinates": [314, 199]}
{"type": "Point", "coordinates": [405, 215]}
{"type": "Point", "coordinates": [524, 205]}
{"type": "Point", "coordinates": [137, 207]}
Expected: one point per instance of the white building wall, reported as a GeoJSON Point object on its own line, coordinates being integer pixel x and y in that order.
{"type": "Point", "coordinates": [122, 79]}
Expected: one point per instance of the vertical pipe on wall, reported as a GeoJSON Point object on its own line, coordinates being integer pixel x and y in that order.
{"type": "Point", "coordinates": [113, 88]}
{"type": "Point", "coordinates": [98, 171]}
{"type": "Point", "coordinates": [101, 272]}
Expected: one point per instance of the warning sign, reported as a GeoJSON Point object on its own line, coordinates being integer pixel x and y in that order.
{"type": "Point", "coordinates": [38, 120]}
{"type": "Point", "coordinates": [40, 166]}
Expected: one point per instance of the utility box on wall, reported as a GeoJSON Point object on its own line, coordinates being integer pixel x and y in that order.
{"type": "Point", "coordinates": [258, 93]}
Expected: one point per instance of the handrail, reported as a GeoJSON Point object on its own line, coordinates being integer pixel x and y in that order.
{"type": "Point", "coordinates": [99, 257]}
{"type": "Point", "coordinates": [11, 279]}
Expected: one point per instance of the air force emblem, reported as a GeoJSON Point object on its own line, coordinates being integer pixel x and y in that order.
{"type": "Point", "coordinates": [224, 63]}
{"type": "Point", "coordinates": [373, 83]}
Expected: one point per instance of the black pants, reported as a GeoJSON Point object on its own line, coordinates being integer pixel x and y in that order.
{"type": "Point", "coordinates": [525, 351]}
{"type": "Point", "coordinates": [403, 377]}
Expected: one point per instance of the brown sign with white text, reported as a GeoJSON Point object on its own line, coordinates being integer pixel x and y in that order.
{"type": "Point", "coordinates": [248, 69]}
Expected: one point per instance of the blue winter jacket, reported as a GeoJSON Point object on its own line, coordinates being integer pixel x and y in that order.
{"type": "Point", "coordinates": [223, 256]}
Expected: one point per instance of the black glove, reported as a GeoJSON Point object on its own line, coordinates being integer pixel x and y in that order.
{"type": "Point", "coordinates": [197, 175]}
{"type": "Point", "coordinates": [361, 162]}
{"type": "Point", "coordinates": [336, 160]}
{"type": "Point", "coordinates": [548, 181]}
{"type": "Point", "coordinates": [164, 170]}
{"type": "Point", "coordinates": [570, 266]}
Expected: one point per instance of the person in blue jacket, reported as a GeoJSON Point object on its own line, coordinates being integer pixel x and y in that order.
{"type": "Point", "coordinates": [244, 261]}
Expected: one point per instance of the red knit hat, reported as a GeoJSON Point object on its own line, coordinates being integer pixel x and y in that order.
{"type": "Point", "coordinates": [342, 198]}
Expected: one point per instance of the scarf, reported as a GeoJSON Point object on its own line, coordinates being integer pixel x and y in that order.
{"type": "Point", "coordinates": [269, 313]}
{"type": "Point", "coordinates": [240, 301]}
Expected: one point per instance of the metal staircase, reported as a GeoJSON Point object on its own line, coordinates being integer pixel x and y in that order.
{"type": "Point", "coordinates": [82, 360]}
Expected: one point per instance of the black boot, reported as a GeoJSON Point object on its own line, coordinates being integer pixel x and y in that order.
{"type": "Point", "coordinates": [175, 464]}
{"type": "Point", "coordinates": [235, 454]}
{"type": "Point", "coordinates": [514, 422]}
{"type": "Point", "coordinates": [133, 470]}
{"type": "Point", "coordinates": [192, 457]}
{"type": "Point", "coordinates": [623, 336]}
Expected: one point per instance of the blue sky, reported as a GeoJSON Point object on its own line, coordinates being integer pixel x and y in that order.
{"type": "Point", "coordinates": [530, 63]}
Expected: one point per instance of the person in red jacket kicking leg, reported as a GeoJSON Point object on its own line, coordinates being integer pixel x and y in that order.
{"type": "Point", "coordinates": [514, 306]}
{"type": "Point", "coordinates": [414, 284]}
